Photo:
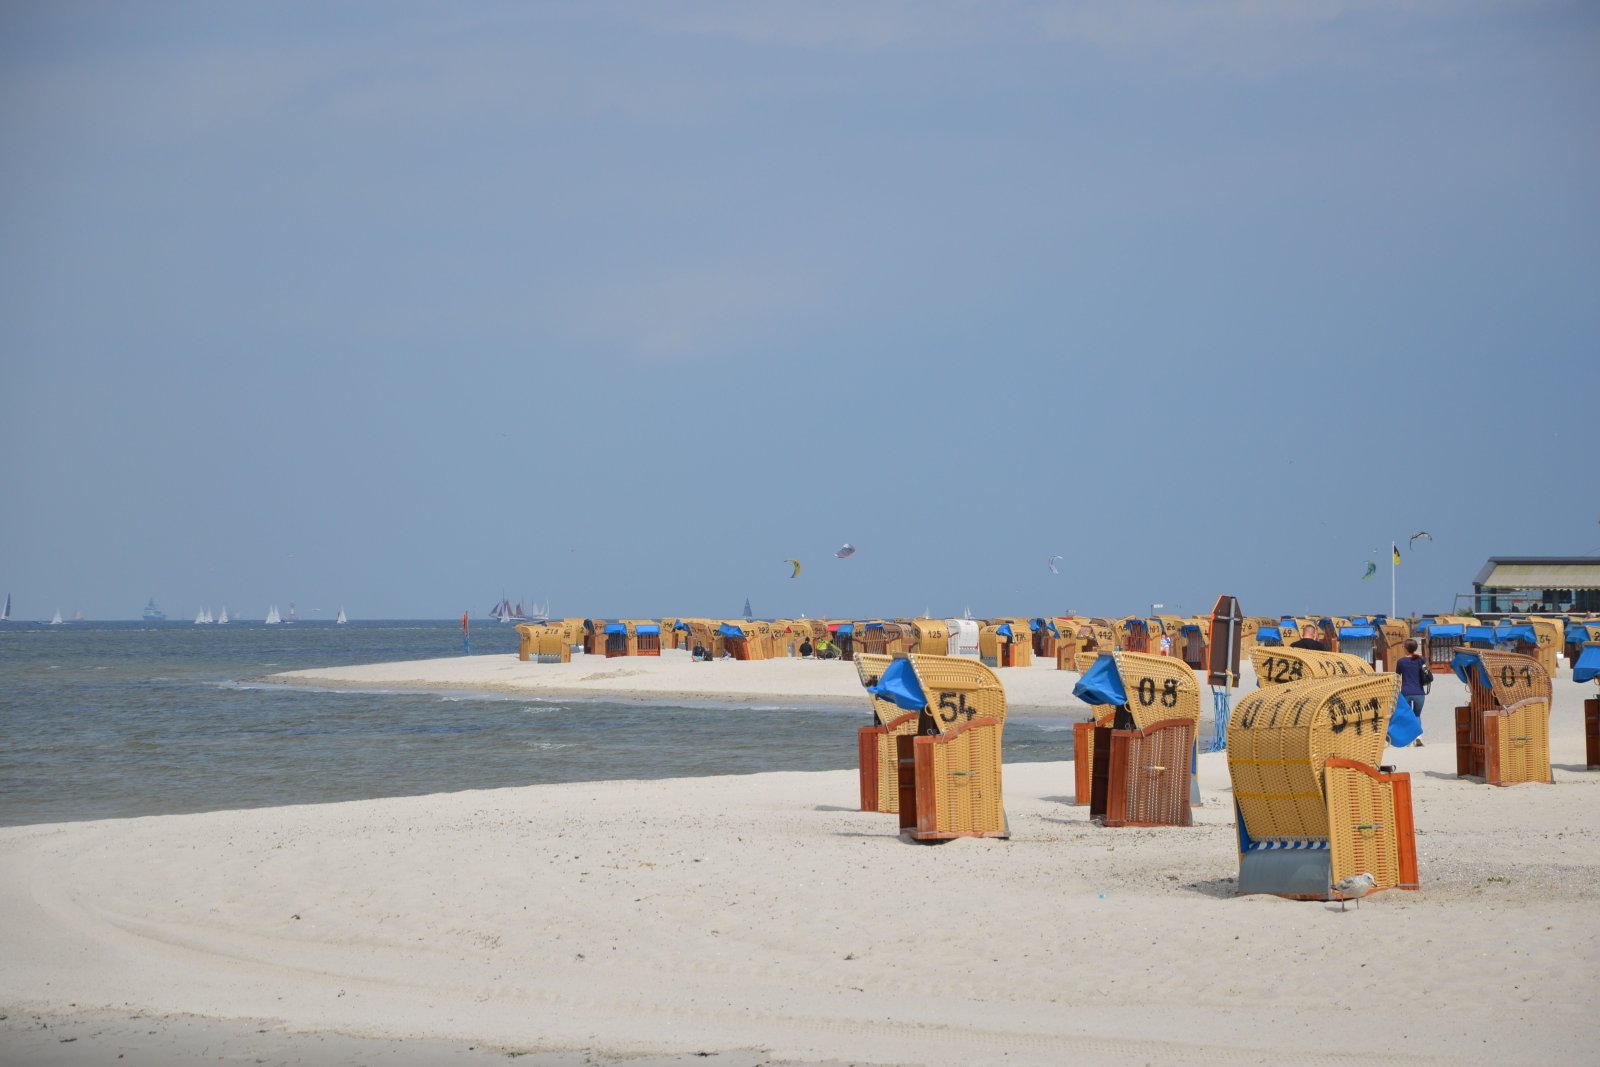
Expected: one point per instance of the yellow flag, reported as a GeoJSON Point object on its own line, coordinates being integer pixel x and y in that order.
{"type": "Point", "coordinates": [1396, 549]}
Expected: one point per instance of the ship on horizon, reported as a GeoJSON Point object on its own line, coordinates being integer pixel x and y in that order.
{"type": "Point", "coordinates": [153, 613]}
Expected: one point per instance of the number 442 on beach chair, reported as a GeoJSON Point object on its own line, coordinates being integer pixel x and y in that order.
{"type": "Point", "coordinates": [948, 768]}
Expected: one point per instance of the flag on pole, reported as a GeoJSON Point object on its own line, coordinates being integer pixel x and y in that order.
{"type": "Point", "coordinates": [1396, 549]}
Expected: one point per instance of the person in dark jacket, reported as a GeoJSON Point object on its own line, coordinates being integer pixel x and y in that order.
{"type": "Point", "coordinates": [1410, 671]}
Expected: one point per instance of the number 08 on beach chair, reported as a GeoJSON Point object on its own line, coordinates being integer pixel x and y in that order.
{"type": "Point", "coordinates": [948, 769]}
{"type": "Point", "coordinates": [1141, 766]}
{"type": "Point", "coordinates": [1503, 734]}
{"type": "Point", "coordinates": [1313, 808]}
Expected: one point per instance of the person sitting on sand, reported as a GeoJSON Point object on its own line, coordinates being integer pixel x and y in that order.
{"type": "Point", "coordinates": [826, 649]}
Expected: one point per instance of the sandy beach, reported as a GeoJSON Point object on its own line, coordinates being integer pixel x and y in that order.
{"type": "Point", "coordinates": [761, 919]}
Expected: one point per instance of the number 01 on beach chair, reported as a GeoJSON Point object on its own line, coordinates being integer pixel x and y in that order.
{"type": "Point", "coordinates": [947, 768]}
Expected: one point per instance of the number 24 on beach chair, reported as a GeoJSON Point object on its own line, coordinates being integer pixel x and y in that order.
{"type": "Point", "coordinates": [948, 768]}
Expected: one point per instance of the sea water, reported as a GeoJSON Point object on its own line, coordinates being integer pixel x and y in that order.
{"type": "Point", "coordinates": [105, 720]}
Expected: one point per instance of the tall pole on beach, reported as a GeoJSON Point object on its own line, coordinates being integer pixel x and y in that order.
{"type": "Point", "coordinates": [1394, 565]}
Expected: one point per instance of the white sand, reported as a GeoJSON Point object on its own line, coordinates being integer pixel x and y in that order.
{"type": "Point", "coordinates": [763, 913]}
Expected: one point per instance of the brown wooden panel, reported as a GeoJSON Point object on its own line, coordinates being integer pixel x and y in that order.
{"type": "Point", "coordinates": [867, 752]}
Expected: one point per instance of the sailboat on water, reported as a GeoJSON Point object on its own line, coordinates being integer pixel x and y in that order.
{"type": "Point", "coordinates": [56, 619]}
{"type": "Point", "coordinates": [223, 617]}
{"type": "Point", "coordinates": [341, 620]}
{"type": "Point", "coordinates": [5, 615]}
{"type": "Point", "coordinates": [272, 616]}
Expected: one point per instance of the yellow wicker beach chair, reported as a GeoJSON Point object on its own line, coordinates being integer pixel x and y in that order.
{"type": "Point", "coordinates": [1275, 666]}
{"type": "Point", "coordinates": [1313, 807]}
{"type": "Point", "coordinates": [1591, 707]}
{"type": "Point", "coordinates": [1503, 732]}
{"type": "Point", "coordinates": [1392, 638]}
{"type": "Point", "coordinates": [555, 645]}
{"type": "Point", "coordinates": [1141, 763]}
{"type": "Point", "coordinates": [1549, 632]}
{"type": "Point", "coordinates": [931, 637]}
{"type": "Point", "coordinates": [956, 788]}
{"type": "Point", "coordinates": [525, 641]}
{"type": "Point", "coordinates": [875, 745]}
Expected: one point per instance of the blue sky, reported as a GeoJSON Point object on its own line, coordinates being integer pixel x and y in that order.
{"type": "Point", "coordinates": [400, 306]}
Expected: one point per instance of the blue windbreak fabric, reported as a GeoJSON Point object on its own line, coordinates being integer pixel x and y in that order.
{"type": "Point", "coordinates": [616, 628]}
{"type": "Point", "coordinates": [1587, 669]}
{"type": "Point", "coordinates": [1480, 633]}
{"type": "Point", "coordinates": [1576, 633]}
{"type": "Point", "coordinates": [728, 630]}
{"type": "Point", "coordinates": [1268, 633]}
{"type": "Point", "coordinates": [1404, 726]}
{"type": "Point", "coordinates": [1462, 664]}
{"type": "Point", "coordinates": [1360, 620]}
{"type": "Point", "coordinates": [846, 628]}
{"type": "Point", "coordinates": [1508, 634]}
{"type": "Point", "coordinates": [898, 685]}
{"type": "Point", "coordinates": [680, 626]}
{"type": "Point", "coordinates": [1052, 628]}
{"type": "Point", "coordinates": [1191, 628]}
{"type": "Point", "coordinates": [648, 629]}
{"type": "Point", "coordinates": [873, 626]}
{"type": "Point", "coordinates": [1356, 631]}
{"type": "Point", "coordinates": [1101, 684]}
{"type": "Point", "coordinates": [1004, 629]}
{"type": "Point", "coordinates": [1454, 629]}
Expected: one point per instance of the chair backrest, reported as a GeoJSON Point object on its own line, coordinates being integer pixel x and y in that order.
{"type": "Point", "coordinates": [869, 668]}
{"type": "Point", "coordinates": [1159, 688]}
{"type": "Point", "coordinates": [1280, 737]}
{"type": "Point", "coordinates": [1498, 679]}
{"type": "Point", "coordinates": [1275, 666]}
{"type": "Point", "coordinates": [959, 689]}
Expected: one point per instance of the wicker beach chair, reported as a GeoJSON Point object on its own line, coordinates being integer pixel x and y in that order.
{"type": "Point", "coordinates": [931, 637]}
{"type": "Point", "coordinates": [1276, 666]}
{"type": "Point", "coordinates": [875, 745]}
{"type": "Point", "coordinates": [955, 788]}
{"type": "Point", "coordinates": [1313, 808]}
{"type": "Point", "coordinates": [1141, 763]}
{"type": "Point", "coordinates": [1503, 732]}
{"type": "Point", "coordinates": [1586, 668]}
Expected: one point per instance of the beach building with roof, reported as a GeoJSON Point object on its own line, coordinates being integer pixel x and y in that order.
{"type": "Point", "coordinates": [1535, 584]}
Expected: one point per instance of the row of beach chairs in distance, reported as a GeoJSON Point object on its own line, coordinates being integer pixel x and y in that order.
{"type": "Point", "coordinates": [1314, 805]}
{"type": "Point", "coordinates": [1073, 642]}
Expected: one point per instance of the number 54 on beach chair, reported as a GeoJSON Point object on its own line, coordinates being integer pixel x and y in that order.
{"type": "Point", "coordinates": [947, 769]}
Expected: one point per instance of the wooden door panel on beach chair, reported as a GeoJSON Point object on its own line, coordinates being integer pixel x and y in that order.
{"type": "Point", "coordinates": [1294, 833]}
{"type": "Point", "coordinates": [957, 779]}
{"type": "Point", "coordinates": [1139, 776]}
{"type": "Point", "coordinates": [1275, 666]}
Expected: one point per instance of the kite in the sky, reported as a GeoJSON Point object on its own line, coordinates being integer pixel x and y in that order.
{"type": "Point", "coordinates": [1051, 563]}
{"type": "Point", "coordinates": [796, 563]}
{"type": "Point", "coordinates": [847, 551]}
{"type": "Point", "coordinates": [1372, 568]}
{"type": "Point", "coordinates": [1424, 534]}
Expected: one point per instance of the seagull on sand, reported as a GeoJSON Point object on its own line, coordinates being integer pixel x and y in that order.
{"type": "Point", "coordinates": [1354, 888]}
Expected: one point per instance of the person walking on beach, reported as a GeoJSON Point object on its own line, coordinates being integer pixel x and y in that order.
{"type": "Point", "coordinates": [805, 648]}
{"type": "Point", "coordinates": [1410, 670]}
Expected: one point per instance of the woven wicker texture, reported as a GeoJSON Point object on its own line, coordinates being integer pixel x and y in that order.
{"type": "Point", "coordinates": [1280, 736]}
{"type": "Point", "coordinates": [1158, 688]}
{"type": "Point", "coordinates": [1085, 660]}
{"type": "Point", "coordinates": [1512, 678]}
{"type": "Point", "coordinates": [1523, 741]}
{"type": "Point", "coordinates": [1361, 817]}
{"type": "Point", "coordinates": [960, 689]}
{"type": "Point", "coordinates": [1550, 634]}
{"type": "Point", "coordinates": [967, 786]}
{"type": "Point", "coordinates": [1275, 666]}
{"type": "Point", "coordinates": [930, 637]}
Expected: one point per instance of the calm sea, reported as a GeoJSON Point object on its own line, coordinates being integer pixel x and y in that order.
{"type": "Point", "coordinates": [104, 720]}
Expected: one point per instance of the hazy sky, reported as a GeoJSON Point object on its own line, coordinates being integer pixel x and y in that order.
{"type": "Point", "coordinates": [399, 306]}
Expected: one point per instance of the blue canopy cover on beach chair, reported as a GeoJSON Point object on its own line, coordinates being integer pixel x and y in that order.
{"type": "Point", "coordinates": [1504, 635]}
{"type": "Point", "coordinates": [1453, 629]}
{"type": "Point", "coordinates": [898, 684]}
{"type": "Point", "coordinates": [1357, 631]}
{"type": "Point", "coordinates": [1102, 684]}
{"type": "Point", "coordinates": [1004, 629]}
{"type": "Point", "coordinates": [615, 628]}
{"type": "Point", "coordinates": [647, 629]}
{"type": "Point", "coordinates": [1587, 669]}
{"type": "Point", "coordinates": [729, 630]}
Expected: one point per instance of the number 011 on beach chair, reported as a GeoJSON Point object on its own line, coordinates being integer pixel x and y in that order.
{"type": "Point", "coordinates": [948, 768]}
{"type": "Point", "coordinates": [1313, 806]}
